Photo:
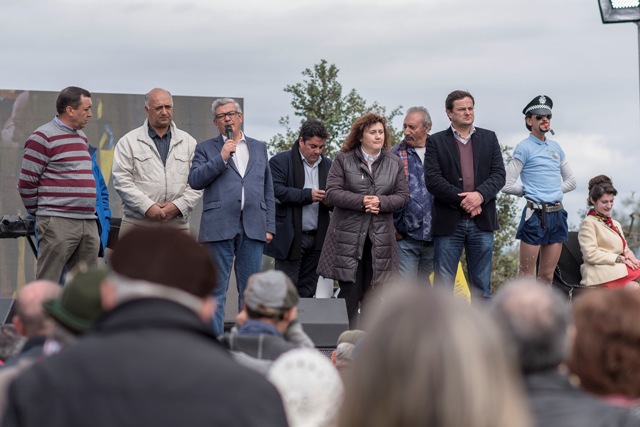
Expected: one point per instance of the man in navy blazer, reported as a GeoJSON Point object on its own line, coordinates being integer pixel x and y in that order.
{"type": "Point", "coordinates": [238, 215]}
{"type": "Point", "coordinates": [302, 216]}
{"type": "Point", "coordinates": [464, 171]}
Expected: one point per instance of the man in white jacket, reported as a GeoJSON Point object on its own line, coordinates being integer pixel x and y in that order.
{"type": "Point", "coordinates": [151, 166]}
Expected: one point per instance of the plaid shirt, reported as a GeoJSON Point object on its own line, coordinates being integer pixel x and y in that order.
{"type": "Point", "coordinates": [415, 219]}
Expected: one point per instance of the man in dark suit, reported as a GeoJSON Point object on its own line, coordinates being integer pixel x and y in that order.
{"type": "Point", "coordinates": [302, 216]}
{"type": "Point", "coordinates": [464, 171]}
{"type": "Point", "coordinates": [238, 215]}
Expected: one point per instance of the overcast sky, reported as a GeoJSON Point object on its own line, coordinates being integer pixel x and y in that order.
{"type": "Point", "coordinates": [397, 52]}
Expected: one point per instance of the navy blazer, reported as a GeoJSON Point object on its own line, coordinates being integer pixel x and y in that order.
{"type": "Point", "coordinates": [443, 176]}
{"type": "Point", "coordinates": [288, 197]}
{"type": "Point", "coordinates": [223, 185]}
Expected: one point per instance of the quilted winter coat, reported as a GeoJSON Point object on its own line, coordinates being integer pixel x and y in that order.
{"type": "Point", "coordinates": [348, 182]}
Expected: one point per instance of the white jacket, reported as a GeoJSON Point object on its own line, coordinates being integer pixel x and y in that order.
{"type": "Point", "coordinates": [141, 179]}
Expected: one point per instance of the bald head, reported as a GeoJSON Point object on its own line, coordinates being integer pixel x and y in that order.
{"type": "Point", "coordinates": [30, 318]}
{"type": "Point", "coordinates": [536, 319]}
{"type": "Point", "coordinates": [158, 104]}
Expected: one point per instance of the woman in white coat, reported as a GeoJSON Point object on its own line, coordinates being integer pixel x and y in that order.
{"type": "Point", "coordinates": [607, 259]}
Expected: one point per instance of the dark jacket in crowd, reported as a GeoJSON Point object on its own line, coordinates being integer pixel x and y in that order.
{"type": "Point", "coordinates": [556, 403]}
{"type": "Point", "coordinates": [150, 363]}
{"type": "Point", "coordinates": [443, 176]}
{"type": "Point", "coordinates": [348, 182]}
{"type": "Point", "coordinates": [287, 171]}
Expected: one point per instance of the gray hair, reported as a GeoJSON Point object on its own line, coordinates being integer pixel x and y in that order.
{"type": "Point", "coordinates": [536, 318]}
{"type": "Point", "coordinates": [129, 289]}
{"type": "Point", "coordinates": [224, 101]}
{"type": "Point", "coordinates": [344, 351]}
{"type": "Point", "coordinates": [146, 96]}
{"type": "Point", "coordinates": [11, 341]}
{"type": "Point", "coordinates": [426, 117]}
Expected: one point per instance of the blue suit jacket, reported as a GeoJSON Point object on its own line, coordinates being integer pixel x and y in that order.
{"type": "Point", "coordinates": [223, 185]}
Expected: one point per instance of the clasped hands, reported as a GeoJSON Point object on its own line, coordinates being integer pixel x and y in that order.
{"type": "Point", "coordinates": [371, 204]}
{"type": "Point", "coordinates": [162, 212]}
{"type": "Point", "coordinates": [631, 261]}
{"type": "Point", "coordinates": [471, 202]}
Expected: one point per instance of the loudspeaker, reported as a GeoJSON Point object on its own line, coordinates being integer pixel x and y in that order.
{"type": "Point", "coordinates": [7, 310]}
{"type": "Point", "coordinates": [323, 319]}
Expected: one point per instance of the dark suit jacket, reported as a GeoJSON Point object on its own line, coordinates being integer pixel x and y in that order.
{"type": "Point", "coordinates": [443, 176]}
{"type": "Point", "coordinates": [223, 185]}
{"type": "Point", "coordinates": [288, 199]}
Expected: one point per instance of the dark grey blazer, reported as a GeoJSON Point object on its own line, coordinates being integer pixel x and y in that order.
{"type": "Point", "coordinates": [443, 177]}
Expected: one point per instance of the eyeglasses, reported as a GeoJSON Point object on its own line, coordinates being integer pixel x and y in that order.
{"type": "Point", "coordinates": [548, 116]}
{"type": "Point", "coordinates": [230, 114]}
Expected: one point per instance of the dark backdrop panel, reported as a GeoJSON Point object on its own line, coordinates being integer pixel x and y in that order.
{"type": "Point", "coordinates": [21, 112]}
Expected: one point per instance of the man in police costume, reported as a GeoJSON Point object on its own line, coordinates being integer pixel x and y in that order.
{"type": "Point", "coordinates": [545, 176]}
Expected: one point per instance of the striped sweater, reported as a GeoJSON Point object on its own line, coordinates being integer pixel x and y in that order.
{"type": "Point", "coordinates": [56, 178]}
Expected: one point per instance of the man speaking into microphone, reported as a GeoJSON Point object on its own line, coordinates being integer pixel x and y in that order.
{"type": "Point", "coordinates": [238, 216]}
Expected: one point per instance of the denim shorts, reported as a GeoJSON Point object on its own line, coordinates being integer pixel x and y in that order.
{"type": "Point", "coordinates": [530, 230]}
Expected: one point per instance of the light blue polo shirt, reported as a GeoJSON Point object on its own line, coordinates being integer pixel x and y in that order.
{"type": "Point", "coordinates": [541, 172]}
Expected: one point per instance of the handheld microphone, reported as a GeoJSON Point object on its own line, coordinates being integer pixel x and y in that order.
{"type": "Point", "coordinates": [229, 131]}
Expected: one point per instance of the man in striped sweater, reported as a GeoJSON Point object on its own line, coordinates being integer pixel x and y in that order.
{"type": "Point", "coordinates": [57, 186]}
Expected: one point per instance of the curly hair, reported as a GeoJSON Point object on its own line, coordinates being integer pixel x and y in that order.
{"type": "Point", "coordinates": [354, 139]}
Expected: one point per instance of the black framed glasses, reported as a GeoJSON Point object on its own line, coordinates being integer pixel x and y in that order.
{"type": "Point", "coordinates": [230, 114]}
{"type": "Point", "coordinates": [540, 117]}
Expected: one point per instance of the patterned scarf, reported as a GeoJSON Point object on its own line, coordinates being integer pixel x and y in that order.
{"type": "Point", "coordinates": [609, 223]}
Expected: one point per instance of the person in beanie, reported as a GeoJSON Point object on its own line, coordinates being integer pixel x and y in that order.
{"type": "Point", "coordinates": [151, 359]}
{"type": "Point", "coordinates": [267, 326]}
{"type": "Point", "coordinates": [546, 176]}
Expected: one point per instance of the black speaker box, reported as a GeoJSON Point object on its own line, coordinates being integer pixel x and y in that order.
{"type": "Point", "coordinates": [7, 310]}
{"type": "Point", "coordinates": [323, 319]}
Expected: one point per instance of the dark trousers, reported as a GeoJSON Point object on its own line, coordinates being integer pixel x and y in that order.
{"type": "Point", "coordinates": [302, 272]}
{"type": "Point", "coordinates": [354, 292]}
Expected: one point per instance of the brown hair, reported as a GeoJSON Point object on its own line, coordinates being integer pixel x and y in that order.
{"type": "Point", "coordinates": [457, 95]}
{"type": "Point", "coordinates": [354, 139]}
{"type": "Point", "coordinates": [598, 187]}
{"type": "Point", "coordinates": [606, 355]}
{"type": "Point", "coordinates": [165, 256]}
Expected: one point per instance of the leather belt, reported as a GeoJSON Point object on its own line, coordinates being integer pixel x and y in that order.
{"type": "Point", "coordinates": [310, 232]}
{"type": "Point", "coordinates": [547, 207]}
{"type": "Point", "coordinates": [543, 208]}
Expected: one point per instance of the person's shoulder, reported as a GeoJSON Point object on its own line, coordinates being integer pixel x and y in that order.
{"type": "Point", "coordinates": [402, 145]}
{"type": "Point", "coordinates": [253, 140]}
{"type": "Point", "coordinates": [441, 135]}
{"type": "Point", "coordinates": [392, 156]}
{"type": "Point", "coordinates": [282, 155]}
{"type": "Point", "coordinates": [209, 141]}
{"type": "Point", "coordinates": [588, 221]}
{"type": "Point", "coordinates": [181, 134]}
{"type": "Point", "coordinates": [484, 132]}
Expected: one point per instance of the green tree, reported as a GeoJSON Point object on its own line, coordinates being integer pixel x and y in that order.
{"type": "Point", "coordinates": [627, 213]}
{"type": "Point", "coordinates": [320, 96]}
{"type": "Point", "coordinates": [505, 256]}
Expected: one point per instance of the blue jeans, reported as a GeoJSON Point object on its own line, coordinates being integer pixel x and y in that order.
{"type": "Point", "coordinates": [415, 258]}
{"type": "Point", "coordinates": [479, 249]}
{"type": "Point", "coordinates": [248, 260]}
